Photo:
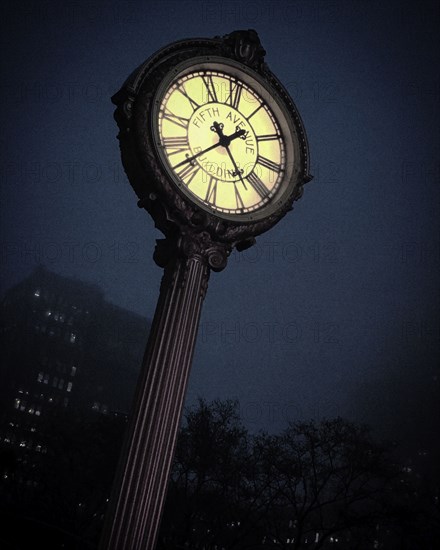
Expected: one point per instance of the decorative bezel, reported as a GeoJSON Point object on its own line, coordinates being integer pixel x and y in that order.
{"type": "Point", "coordinates": [292, 175]}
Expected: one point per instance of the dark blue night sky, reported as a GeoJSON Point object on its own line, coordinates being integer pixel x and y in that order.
{"type": "Point", "coordinates": [335, 311]}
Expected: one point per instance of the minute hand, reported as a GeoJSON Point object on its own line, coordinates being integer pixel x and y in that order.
{"type": "Point", "coordinates": [189, 159]}
{"type": "Point", "coordinates": [227, 139]}
{"type": "Point", "coordinates": [223, 139]}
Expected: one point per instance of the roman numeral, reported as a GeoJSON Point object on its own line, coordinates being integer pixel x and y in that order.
{"type": "Point", "coordinates": [238, 199]}
{"type": "Point", "coordinates": [178, 144]}
{"type": "Point", "coordinates": [267, 163]}
{"type": "Point", "coordinates": [175, 119]}
{"type": "Point", "coordinates": [193, 103]}
{"type": "Point", "coordinates": [188, 172]}
{"type": "Point", "coordinates": [211, 193]}
{"type": "Point", "coordinates": [257, 184]}
{"type": "Point", "coordinates": [210, 87]}
{"type": "Point", "coordinates": [255, 111]}
{"type": "Point", "coordinates": [268, 137]}
{"type": "Point", "coordinates": [234, 94]}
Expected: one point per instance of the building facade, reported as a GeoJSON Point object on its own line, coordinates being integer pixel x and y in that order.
{"type": "Point", "coordinates": [66, 352]}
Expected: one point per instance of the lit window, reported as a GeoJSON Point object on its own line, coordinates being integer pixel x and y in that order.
{"type": "Point", "coordinates": [48, 313]}
{"type": "Point", "coordinates": [55, 316]}
{"type": "Point", "coordinates": [38, 411]}
{"type": "Point", "coordinates": [38, 448]}
{"type": "Point", "coordinates": [37, 293]}
{"type": "Point", "coordinates": [69, 386]}
{"type": "Point", "coordinates": [46, 379]}
{"type": "Point", "coordinates": [23, 406]}
{"type": "Point", "coordinates": [95, 406]}
{"type": "Point", "coordinates": [17, 403]}
{"type": "Point", "coordinates": [33, 429]}
{"type": "Point", "coordinates": [40, 377]}
{"type": "Point", "coordinates": [31, 410]}
{"type": "Point", "coordinates": [72, 338]}
{"type": "Point", "coordinates": [50, 399]}
{"type": "Point", "coordinates": [61, 318]}
{"type": "Point", "coordinates": [22, 443]}
{"type": "Point", "coordinates": [73, 371]}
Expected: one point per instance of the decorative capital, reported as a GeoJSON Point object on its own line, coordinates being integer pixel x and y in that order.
{"type": "Point", "coordinates": [192, 245]}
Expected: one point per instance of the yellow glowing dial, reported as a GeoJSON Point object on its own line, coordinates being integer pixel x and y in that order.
{"type": "Point", "coordinates": [222, 138]}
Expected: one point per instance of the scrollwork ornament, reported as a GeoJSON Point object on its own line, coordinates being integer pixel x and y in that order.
{"type": "Point", "coordinates": [200, 245]}
{"type": "Point", "coordinates": [246, 47]}
{"type": "Point", "coordinates": [217, 257]}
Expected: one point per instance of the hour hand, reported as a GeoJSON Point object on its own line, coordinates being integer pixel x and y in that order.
{"type": "Point", "coordinates": [218, 129]}
{"type": "Point", "coordinates": [238, 133]}
{"type": "Point", "coordinates": [226, 140]}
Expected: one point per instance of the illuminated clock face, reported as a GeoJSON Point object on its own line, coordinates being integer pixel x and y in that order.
{"type": "Point", "coordinates": [224, 139]}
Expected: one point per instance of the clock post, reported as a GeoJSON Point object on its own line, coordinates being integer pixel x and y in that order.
{"type": "Point", "coordinates": [136, 505]}
{"type": "Point", "coordinates": [210, 186]}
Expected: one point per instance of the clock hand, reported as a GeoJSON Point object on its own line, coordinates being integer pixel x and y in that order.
{"type": "Point", "coordinates": [226, 140]}
{"type": "Point", "coordinates": [218, 128]}
{"type": "Point", "coordinates": [237, 170]}
{"type": "Point", "coordinates": [189, 159]}
{"type": "Point", "coordinates": [238, 133]}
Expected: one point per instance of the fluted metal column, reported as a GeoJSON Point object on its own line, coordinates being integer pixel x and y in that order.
{"type": "Point", "coordinates": [134, 514]}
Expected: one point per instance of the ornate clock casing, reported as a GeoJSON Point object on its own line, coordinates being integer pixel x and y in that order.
{"type": "Point", "coordinates": [211, 141]}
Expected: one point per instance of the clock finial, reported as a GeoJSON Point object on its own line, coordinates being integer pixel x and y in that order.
{"type": "Point", "coordinates": [246, 47]}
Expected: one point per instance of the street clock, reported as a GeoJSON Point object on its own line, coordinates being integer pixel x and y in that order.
{"type": "Point", "coordinates": [211, 140]}
{"type": "Point", "coordinates": [216, 152]}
